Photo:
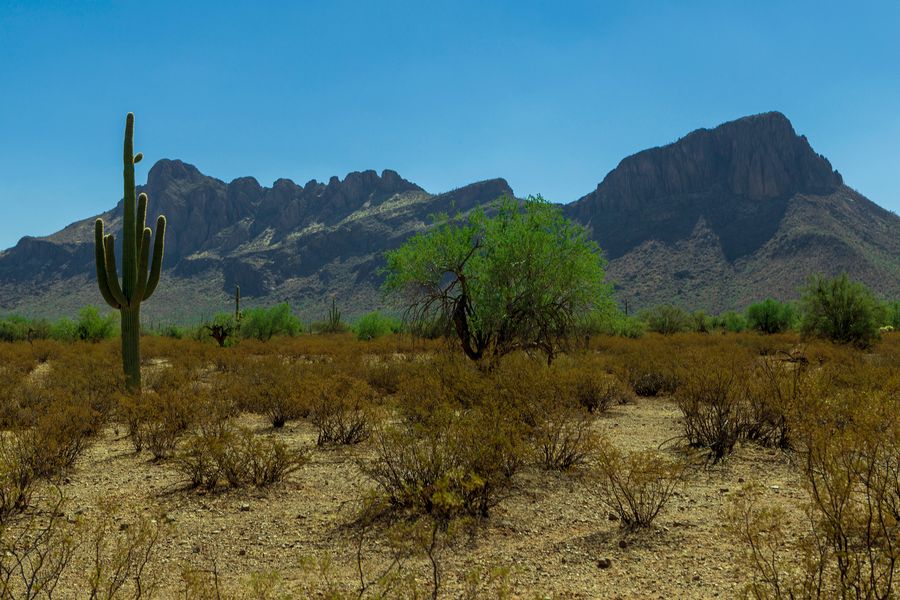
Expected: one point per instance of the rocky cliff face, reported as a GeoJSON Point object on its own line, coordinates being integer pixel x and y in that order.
{"type": "Point", "coordinates": [727, 216]}
{"type": "Point", "coordinates": [738, 177]}
{"type": "Point", "coordinates": [716, 220]}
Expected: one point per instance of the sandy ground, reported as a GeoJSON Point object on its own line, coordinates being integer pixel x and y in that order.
{"type": "Point", "coordinates": [551, 531]}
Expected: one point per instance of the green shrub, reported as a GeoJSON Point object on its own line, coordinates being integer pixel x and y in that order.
{"type": "Point", "coordinates": [611, 322]}
{"type": "Point", "coordinates": [667, 319]}
{"type": "Point", "coordinates": [375, 325]}
{"type": "Point", "coordinates": [771, 316]}
{"type": "Point", "coordinates": [840, 310]}
{"type": "Point", "coordinates": [731, 321]}
{"type": "Point", "coordinates": [892, 315]}
{"type": "Point", "coordinates": [92, 327]}
{"type": "Point", "coordinates": [700, 322]}
{"type": "Point", "coordinates": [14, 328]}
{"type": "Point", "coordinates": [264, 323]}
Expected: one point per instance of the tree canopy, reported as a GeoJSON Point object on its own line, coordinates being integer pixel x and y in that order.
{"type": "Point", "coordinates": [516, 278]}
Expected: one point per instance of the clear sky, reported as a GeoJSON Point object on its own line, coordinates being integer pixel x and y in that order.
{"type": "Point", "coordinates": [550, 95]}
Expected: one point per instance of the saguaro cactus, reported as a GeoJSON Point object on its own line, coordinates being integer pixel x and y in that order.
{"type": "Point", "coordinates": [140, 275]}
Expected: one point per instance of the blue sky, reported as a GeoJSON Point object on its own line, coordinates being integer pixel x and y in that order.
{"type": "Point", "coordinates": [550, 95]}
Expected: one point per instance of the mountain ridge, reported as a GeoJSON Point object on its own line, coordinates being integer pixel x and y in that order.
{"type": "Point", "coordinates": [715, 220]}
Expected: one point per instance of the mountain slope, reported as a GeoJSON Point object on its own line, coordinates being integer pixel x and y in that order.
{"type": "Point", "coordinates": [715, 220]}
{"type": "Point", "coordinates": [728, 216]}
{"type": "Point", "coordinates": [287, 242]}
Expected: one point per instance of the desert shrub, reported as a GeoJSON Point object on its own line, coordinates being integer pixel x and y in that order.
{"type": "Point", "coordinates": [849, 548]}
{"type": "Point", "coordinates": [46, 448]}
{"type": "Point", "coordinates": [891, 313]}
{"type": "Point", "coordinates": [268, 385]}
{"type": "Point", "coordinates": [221, 453]}
{"type": "Point", "coordinates": [264, 323]}
{"type": "Point", "coordinates": [701, 322]}
{"type": "Point", "coordinates": [564, 439]}
{"type": "Point", "coordinates": [14, 328]}
{"type": "Point", "coordinates": [17, 474]}
{"type": "Point", "coordinates": [386, 375]}
{"type": "Point", "coordinates": [771, 316]}
{"type": "Point", "coordinates": [636, 487]}
{"type": "Point", "coordinates": [712, 398]}
{"type": "Point", "coordinates": [342, 411]}
{"type": "Point", "coordinates": [35, 554]}
{"type": "Point", "coordinates": [160, 416]}
{"type": "Point", "coordinates": [93, 327]}
{"type": "Point", "coordinates": [609, 320]}
{"type": "Point", "coordinates": [731, 321]}
{"type": "Point", "coordinates": [61, 434]}
{"type": "Point", "coordinates": [776, 388]}
{"type": "Point", "coordinates": [64, 330]}
{"type": "Point", "coordinates": [667, 319]}
{"type": "Point", "coordinates": [375, 325]}
{"type": "Point", "coordinates": [648, 366]}
{"type": "Point", "coordinates": [456, 463]}
{"type": "Point", "coordinates": [121, 556]}
{"type": "Point", "coordinates": [597, 391]}
{"type": "Point", "coordinates": [840, 310]}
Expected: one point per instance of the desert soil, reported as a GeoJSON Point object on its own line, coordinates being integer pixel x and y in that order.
{"type": "Point", "coordinates": [552, 531]}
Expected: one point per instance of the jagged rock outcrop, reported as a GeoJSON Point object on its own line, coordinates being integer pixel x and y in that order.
{"type": "Point", "coordinates": [282, 242]}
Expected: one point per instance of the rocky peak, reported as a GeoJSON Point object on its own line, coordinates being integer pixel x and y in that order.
{"type": "Point", "coordinates": [166, 172]}
{"type": "Point", "coordinates": [759, 157]}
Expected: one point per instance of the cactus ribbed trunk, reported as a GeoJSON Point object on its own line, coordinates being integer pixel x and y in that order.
{"type": "Point", "coordinates": [131, 346]}
{"type": "Point", "coordinates": [140, 272]}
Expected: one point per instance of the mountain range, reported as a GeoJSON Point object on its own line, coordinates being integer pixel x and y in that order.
{"type": "Point", "coordinates": [716, 220]}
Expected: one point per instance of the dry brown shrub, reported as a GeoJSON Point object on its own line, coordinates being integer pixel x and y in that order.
{"type": "Point", "coordinates": [456, 463]}
{"type": "Point", "coordinates": [597, 391]}
{"type": "Point", "coordinates": [637, 486]}
{"type": "Point", "coordinates": [220, 453]}
{"type": "Point", "coordinates": [270, 386]}
{"type": "Point", "coordinates": [17, 473]}
{"type": "Point", "coordinates": [850, 445]}
{"type": "Point", "coordinates": [343, 411]}
{"type": "Point", "coordinates": [121, 555]}
{"type": "Point", "coordinates": [35, 553]}
{"type": "Point", "coordinates": [386, 375]}
{"type": "Point", "coordinates": [564, 439]}
{"type": "Point", "coordinates": [712, 397]}
{"type": "Point", "coordinates": [447, 380]}
{"type": "Point", "coordinates": [159, 416]}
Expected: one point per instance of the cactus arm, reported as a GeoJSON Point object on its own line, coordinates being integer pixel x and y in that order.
{"type": "Point", "coordinates": [141, 286]}
{"type": "Point", "coordinates": [112, 278]}
{"type": "Point", "coordinates": [140, 223]}
{"type": "Point", "coordinates": [100, 260]}
{"type": "Point", "coordinates": [156, 267]}
{"type": "Point", "coordinates": [129, 241]}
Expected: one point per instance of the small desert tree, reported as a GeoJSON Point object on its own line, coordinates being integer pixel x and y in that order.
{"type": "Point", "coordinates": [770, 316]}
{"type": "Point", "coordinates": [517, 279]}
{"type": "Point", "coordinates": [841, 310]}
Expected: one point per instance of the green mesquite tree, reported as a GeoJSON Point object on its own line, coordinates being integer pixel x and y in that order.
{"type": "Point", "coordinates": [137, 283]}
